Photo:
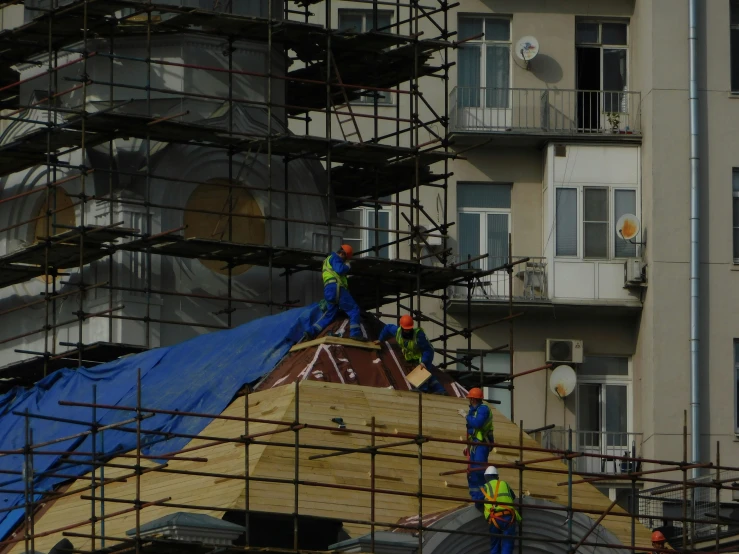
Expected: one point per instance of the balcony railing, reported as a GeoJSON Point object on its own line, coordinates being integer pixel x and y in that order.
{"type": "Point", "coordinates": [551, 111]}
{"type": "Point", "coordinates": [598, 443]}
{"type": "Point", "coordinates": [529, 282]}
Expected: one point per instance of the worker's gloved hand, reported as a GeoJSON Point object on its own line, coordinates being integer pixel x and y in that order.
{"type": "Point", "coordinates": [423, 365]}
{"type": "Point", "coordinates": [462, 413]}
{"type": "Point", "coordinates": [375, 342]}
{"type": "Point", "coordinates": [348, 264]}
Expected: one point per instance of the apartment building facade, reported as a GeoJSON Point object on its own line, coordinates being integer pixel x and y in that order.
{"type": "Point", "coordinates": [554, 152]}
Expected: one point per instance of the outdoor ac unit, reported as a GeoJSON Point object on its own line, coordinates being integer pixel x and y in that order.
{"type": "Point", "coordinates": [564, 351]}
{"type": "Point", "coordinates": [633, 272]}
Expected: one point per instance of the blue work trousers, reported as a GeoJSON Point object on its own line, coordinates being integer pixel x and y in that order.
{"type": "Point", "coordinates": [338, 298]}
{"type": "Point", "coordinates": [476, 479]}
{"type": "Point", "coordinates": [503, 545]}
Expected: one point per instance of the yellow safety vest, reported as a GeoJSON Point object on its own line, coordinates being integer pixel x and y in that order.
{"type": "Point", "coordinates": [498, 492]}
{"type": "Point", "coordinates": [482, 433]}
{"type": "Point", "coordinates": [409, 347]}
{"type": "Point", "coordinates": [330, 276]}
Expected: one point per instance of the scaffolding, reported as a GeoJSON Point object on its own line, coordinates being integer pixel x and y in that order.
{"type": "Point", "coordinates": [65, 116]}
{"type": "Point", "coordinates": [92, 480]}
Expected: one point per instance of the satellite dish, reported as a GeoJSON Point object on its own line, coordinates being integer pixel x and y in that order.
{"type": "Point", "coordinates": [628, 226]}
{"type": "Point", "coordinates": [563, 380]}
{"type": "Point", "coordinates": [527, 48]}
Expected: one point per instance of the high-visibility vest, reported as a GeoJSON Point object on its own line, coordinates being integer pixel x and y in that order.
{"type": "Point", "coordinates": [482, 433]}
{"type": "Point", "coordinates": [498, 501]}
{"type": "Point", "coordinates": [330, 276]}
{"type": "Point", "coordinates": [409, 347]}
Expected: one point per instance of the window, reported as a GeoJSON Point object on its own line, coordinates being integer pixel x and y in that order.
{"type": "Point", "coordinates": [497, 363]}
{"type": "Point", "coordinates": [598, 210]}
{"type": "Point", "coordinates": [736, 386]}
{"type": "Point", "coordinates": [362, 239]}
{"type": "Point", "coordinates": [602, 72]}
{"type": "Point", "coordinates": [735, 209]}
{"type": "Point", "coordinates": [734, 36]}
{"type": "Point", "coordinates": [362, 21]}
{"type": "Point", "coordinates": [484, 223]}
{"type": "Point", "coordinates": [604, 405]}
{"type": "Point", "coordinates": [483, 64]}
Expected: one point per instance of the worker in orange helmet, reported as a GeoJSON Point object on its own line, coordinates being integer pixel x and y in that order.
{"type": "Point", "coordinates": [416, 348]}
{"type": "Point", "coordinates": [336, 292]}
{"type": "Point", "coordinates": [658, 541]}
{"type": "Point", "coordinates": [479, 420]}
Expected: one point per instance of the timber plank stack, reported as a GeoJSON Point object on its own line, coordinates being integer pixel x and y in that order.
{"type": "Point", "coordinates": [394, 411]}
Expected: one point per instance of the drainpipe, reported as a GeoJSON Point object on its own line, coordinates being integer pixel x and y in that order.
{"type": "Point", "coordinates": [694, 239]}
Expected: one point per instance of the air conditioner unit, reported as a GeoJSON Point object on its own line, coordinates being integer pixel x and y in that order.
{"type": "Point", "coordinates": [564, 351]}
{"type": "Point", "coordinates": [633, 272]}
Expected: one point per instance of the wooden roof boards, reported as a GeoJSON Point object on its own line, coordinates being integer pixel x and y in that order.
{"type": "Point", "coordinates": [394, 411]}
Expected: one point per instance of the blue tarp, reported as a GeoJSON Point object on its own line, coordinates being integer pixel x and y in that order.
{"type": "Point", "coordinates": [200, 375]}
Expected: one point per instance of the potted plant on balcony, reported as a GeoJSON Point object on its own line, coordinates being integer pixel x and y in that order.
{"type": "Point", "coordinates": [614, 120]}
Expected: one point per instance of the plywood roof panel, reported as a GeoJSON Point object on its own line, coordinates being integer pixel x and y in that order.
{"type": "Point", "coordinates": [394, 411]}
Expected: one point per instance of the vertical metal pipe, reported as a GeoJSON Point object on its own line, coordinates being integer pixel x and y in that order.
{"type": "Point", "coordinates": [685, 479]}
{"type": "Point", "coordinates": [520, 486]}
{"type": "Point", "coordinates": [247, 442]}
{"type": "Point", "coordinates": [695, 453]}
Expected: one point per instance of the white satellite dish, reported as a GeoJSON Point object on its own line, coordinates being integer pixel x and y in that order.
{"type": "Point", "coordinates": [563, 380]}
{"type": "Point", "coordinates": [527, 48]}
{"type": "Point", "coordinates": [628, 226]}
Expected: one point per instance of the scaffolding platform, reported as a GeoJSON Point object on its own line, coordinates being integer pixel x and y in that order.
{"type": "Point", "coordinates": [27, 372]}
{"type": "Point", "coordinates": [373, 59]}
{"type": "Point", "coordinates": [373, 280]}
{"type": "Point", "coordinates": [68, 250]}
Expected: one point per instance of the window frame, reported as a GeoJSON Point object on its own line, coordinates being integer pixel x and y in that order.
{"type": "Point", "coordinates": [619, 380]}
{"type": "Point", "coordinates": [364, 234]}
{"type": "Point", "coordinates": [733, 27]}
{"type": "Point", "coordinates": [483, 212]}
{"type": "Point", "coordinates": [387, 99]}
{"type": "Point", "coordinates": [483, 43]}
{"type": "Point", "coordinates": [611, 224]}
{"type": "Point", "coordinates": [735, 344]}
{"type": "Point", "coordinates": [602, 47]}
{"type": "Point", "coordinates": [734, 224]}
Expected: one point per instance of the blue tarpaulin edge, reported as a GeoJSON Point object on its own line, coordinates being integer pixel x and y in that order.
{"type": "Point", "coordinates": [200, 375]}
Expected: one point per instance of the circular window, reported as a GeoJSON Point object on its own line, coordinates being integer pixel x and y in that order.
{"type": "Point", "coordinates": [246, 223]}
{"type": "Point", "coordinates": [54, 224]}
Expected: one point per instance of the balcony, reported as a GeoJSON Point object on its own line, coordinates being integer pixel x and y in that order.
{"type": "Point", "coordinates": [612, 115]}
{"type": "Point", "coordinates": [597, 444]}
{"type": "Point", "coordinates": [529, 283]}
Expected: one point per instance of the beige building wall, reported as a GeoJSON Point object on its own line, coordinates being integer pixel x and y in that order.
{"type": "Point", "coordinates": [656, 339]}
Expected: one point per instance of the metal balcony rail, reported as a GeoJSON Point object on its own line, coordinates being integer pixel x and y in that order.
{"type": "Point", "coordinates": [529, 281]}
{"type": "Point", "coordinates": [666, 501]}
{"type": "Point", "coordinates": [607, 443]}
{"type": "Point", "coordinates": [551, 111]}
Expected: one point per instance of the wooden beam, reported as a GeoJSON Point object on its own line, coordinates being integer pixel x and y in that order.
{"type": "Point", "coordinates": [336, 340]}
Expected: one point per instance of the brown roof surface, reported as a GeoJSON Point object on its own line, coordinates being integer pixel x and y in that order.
{"type": "Point", "coordinates": [334, 363]}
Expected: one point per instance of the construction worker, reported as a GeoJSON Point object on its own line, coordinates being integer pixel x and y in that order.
{"type": "Point", "coordinates": [499, 512]}
{"type": "Point", "coordinates": [479, 419]}
{"type": "Point", "coordinates": [336, 292]}
{"type": "Point", "coordinates": [658, 541]}
{"type": "Point", "coordinates": [416, 349]}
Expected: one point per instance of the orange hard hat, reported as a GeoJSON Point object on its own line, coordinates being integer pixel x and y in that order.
{"type": "Point", "coordinates": [348, 250]}
{"type": "Point", "coordinates": [406, 322]}
{"type": "Point", "coordinates": [657, 536]}
{"type": "Point", "coordinates": [475, 393]}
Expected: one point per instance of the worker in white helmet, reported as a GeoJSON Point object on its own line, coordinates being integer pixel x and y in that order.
{"type": "Point", "coordinates": [499, 512]}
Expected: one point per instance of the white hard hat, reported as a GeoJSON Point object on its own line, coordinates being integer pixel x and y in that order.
{"type": "Point", "coordinates": [491, 470]}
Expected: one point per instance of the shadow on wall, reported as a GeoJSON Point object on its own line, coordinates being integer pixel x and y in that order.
{"type": "Point", "coordinates": [546, 69]}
